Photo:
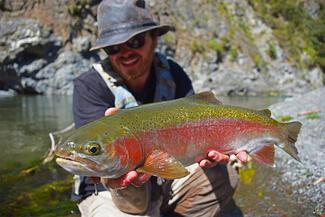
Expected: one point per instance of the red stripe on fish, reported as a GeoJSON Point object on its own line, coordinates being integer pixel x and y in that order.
{"type": "Point", "coordinates": [129, 149]}
{"type": "Point", "coordinates": [203, 136]}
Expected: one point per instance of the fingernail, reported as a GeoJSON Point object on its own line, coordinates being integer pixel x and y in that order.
{"type": "Point", "coordinates": [203, 163]}
{"type": "Point", "coordinates": [212, 154]}
{"type": "Point", "coordinates": [232, 157]}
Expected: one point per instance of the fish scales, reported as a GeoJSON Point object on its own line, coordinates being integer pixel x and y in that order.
{"type": "Point", "coordinates": [162, 138]}
{"type": "Point", "coordinates": [187, 141]}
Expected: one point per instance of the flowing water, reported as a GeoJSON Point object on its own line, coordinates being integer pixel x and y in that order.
{"type": "Point", "coordinates": [25, 122]}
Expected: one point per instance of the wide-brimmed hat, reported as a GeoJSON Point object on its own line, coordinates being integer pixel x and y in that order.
{"type": "Point", "coordinates": [120, 20]}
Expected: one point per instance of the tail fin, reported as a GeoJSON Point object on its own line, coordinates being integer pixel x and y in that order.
{"type": "Point", "coordinates": [293, 129]}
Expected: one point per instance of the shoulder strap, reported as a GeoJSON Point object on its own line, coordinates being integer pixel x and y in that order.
{"type": "Point", "coordinates": [108, 79]}
{"type": "Point", "coordinates": [123, 98]}
{"type": "Point", "coordinates": [165, 84]}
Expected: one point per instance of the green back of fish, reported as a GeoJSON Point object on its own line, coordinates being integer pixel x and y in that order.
{"type": "Point", "coordinates": [175, 112]}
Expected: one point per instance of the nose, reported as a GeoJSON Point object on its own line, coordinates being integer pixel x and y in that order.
{"type": "Point", "coordinates": [125, 51]}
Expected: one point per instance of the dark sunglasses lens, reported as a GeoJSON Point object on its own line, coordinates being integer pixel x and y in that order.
{"type": "Point", "coordinates": [134, 43]}
{"type": "Point", "coordinates": [137, 41]}
{"type": "Point", "coordinates": [111, 50]}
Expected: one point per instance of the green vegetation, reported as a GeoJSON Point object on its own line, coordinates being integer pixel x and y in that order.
{"type": "Point", "coordinates": [197, 47]}
{"type": "Point", "coordinates": [77, 7]}
{"type": "Point", "coordinates": [284, 118]}
{"type": "Point", "coordinates": [241, 37]}
{"type": "Point", "coordinates": [169, 38]}
{"type": "Point", "coordinates": [233, 54]}
{"type": "Point", "coordinates": [32, 191]}
{"type": "Point", "coordinates": [246, 173]}
{"type": "Point", "coordinates": [215, 45]}
{"type": "Point", "coordinates": [47, 200]}
{"type": "Point", "coordinates": [299, 34]}
{"type": "Point", "coordinates": [271, 51]}
{"type": "Point", "coordinates": [313, 115]}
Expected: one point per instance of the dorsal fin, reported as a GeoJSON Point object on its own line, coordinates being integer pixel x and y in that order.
{"type": "Point", "coordinates": [265, 112]}
{"type": "Point", "coordinates": [205, 96]}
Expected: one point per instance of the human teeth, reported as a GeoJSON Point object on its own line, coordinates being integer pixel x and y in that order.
{"type": "Point", "coordinates": [130, 61]}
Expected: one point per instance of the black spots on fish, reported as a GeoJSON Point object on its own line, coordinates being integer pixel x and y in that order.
{"type": "Point", "coordinates": [93, 148]}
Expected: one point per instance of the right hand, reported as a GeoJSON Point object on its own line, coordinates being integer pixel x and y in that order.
{"type": "Point", "coordinates": [132, 177]}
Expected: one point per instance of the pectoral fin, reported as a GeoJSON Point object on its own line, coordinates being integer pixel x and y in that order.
{"type": "Point", "coordinates": [161, 164]}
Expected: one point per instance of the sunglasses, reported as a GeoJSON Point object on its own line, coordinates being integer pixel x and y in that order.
{"type": "Point", "coordinates": [134, 43]}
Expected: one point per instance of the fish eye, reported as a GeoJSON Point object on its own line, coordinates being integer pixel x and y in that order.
{"type": "Point", "coordinates": [93, 148]}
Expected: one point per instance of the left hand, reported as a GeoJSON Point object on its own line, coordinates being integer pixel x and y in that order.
{"type": "Point", "coordinates": [215, 157]}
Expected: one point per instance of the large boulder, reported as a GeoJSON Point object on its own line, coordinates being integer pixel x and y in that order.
{"type": "Point", "coordinates": [26, 47]}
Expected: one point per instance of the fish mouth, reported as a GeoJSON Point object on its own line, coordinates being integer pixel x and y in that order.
{"type": "Point", "coordinates": [76, 164]}
{"type": "Point", "coordinates": [76, 167]}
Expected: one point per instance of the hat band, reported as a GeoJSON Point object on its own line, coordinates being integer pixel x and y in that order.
{"type": "Point", "coordinates": [124, 29]}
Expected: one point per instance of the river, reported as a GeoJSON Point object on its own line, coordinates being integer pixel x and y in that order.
{"type": "Point", "coordinates": [25, 124]}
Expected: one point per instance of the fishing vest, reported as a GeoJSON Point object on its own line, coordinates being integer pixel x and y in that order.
{"type": "Point", "coordinates": [165, 85]}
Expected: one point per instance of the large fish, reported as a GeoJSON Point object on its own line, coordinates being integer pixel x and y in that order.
{"type": "Point", "coordinates": [163, 138]}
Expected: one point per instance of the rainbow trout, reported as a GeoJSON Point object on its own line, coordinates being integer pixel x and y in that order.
{"type": "Point", "coordinates": [163, 138]}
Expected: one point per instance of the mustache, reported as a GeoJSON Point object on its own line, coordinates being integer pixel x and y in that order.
{"type": "Point", "coordinates": [131, 55]}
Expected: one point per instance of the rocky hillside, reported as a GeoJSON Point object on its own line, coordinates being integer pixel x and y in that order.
{"type": "Point", "coordinates": [239, 47]}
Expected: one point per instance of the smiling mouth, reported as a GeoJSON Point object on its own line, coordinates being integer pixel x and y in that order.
{"type": "Point", "coordinates": [130, 60]}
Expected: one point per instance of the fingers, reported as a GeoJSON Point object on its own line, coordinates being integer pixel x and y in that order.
{"type": "Point", "coordinates": [142, 178]}
{"type": "Point", "coordinates": [111, 111]}
{"type": "Point", "coordinates": [242, 156]}
{"type": "Point", "coordinates": [121, 182]}
{"type": "Point", "coordinates": [218, 157]}
{"type": "Point", "coordinates": [213, 159]}
{"type": "Point", "coordinates": [207, 163]}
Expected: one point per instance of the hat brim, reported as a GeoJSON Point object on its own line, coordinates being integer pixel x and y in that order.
{"type": "Point", "coordinates": [123, 37]}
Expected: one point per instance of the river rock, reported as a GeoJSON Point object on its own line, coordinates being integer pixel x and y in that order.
{"type": "Point", "coordinates": [57, 77]}
{"type": "Point", "coordinates": [26, 48]}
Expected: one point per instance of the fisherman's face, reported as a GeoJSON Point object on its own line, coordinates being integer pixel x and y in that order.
{"type": "Point", "coordinates": [133, 59]}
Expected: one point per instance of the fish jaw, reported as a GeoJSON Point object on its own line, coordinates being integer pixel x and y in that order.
{"type": "Point", "coordinates": [75, 167]}
{"type": "Point", "coordinates": [75, 164]}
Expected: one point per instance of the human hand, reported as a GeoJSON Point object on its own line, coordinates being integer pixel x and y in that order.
{"type": "Point", "coordinates": [214, 157]}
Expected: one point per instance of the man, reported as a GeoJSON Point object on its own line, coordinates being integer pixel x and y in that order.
{"type": "Point", "coordinates": [134, 74]}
